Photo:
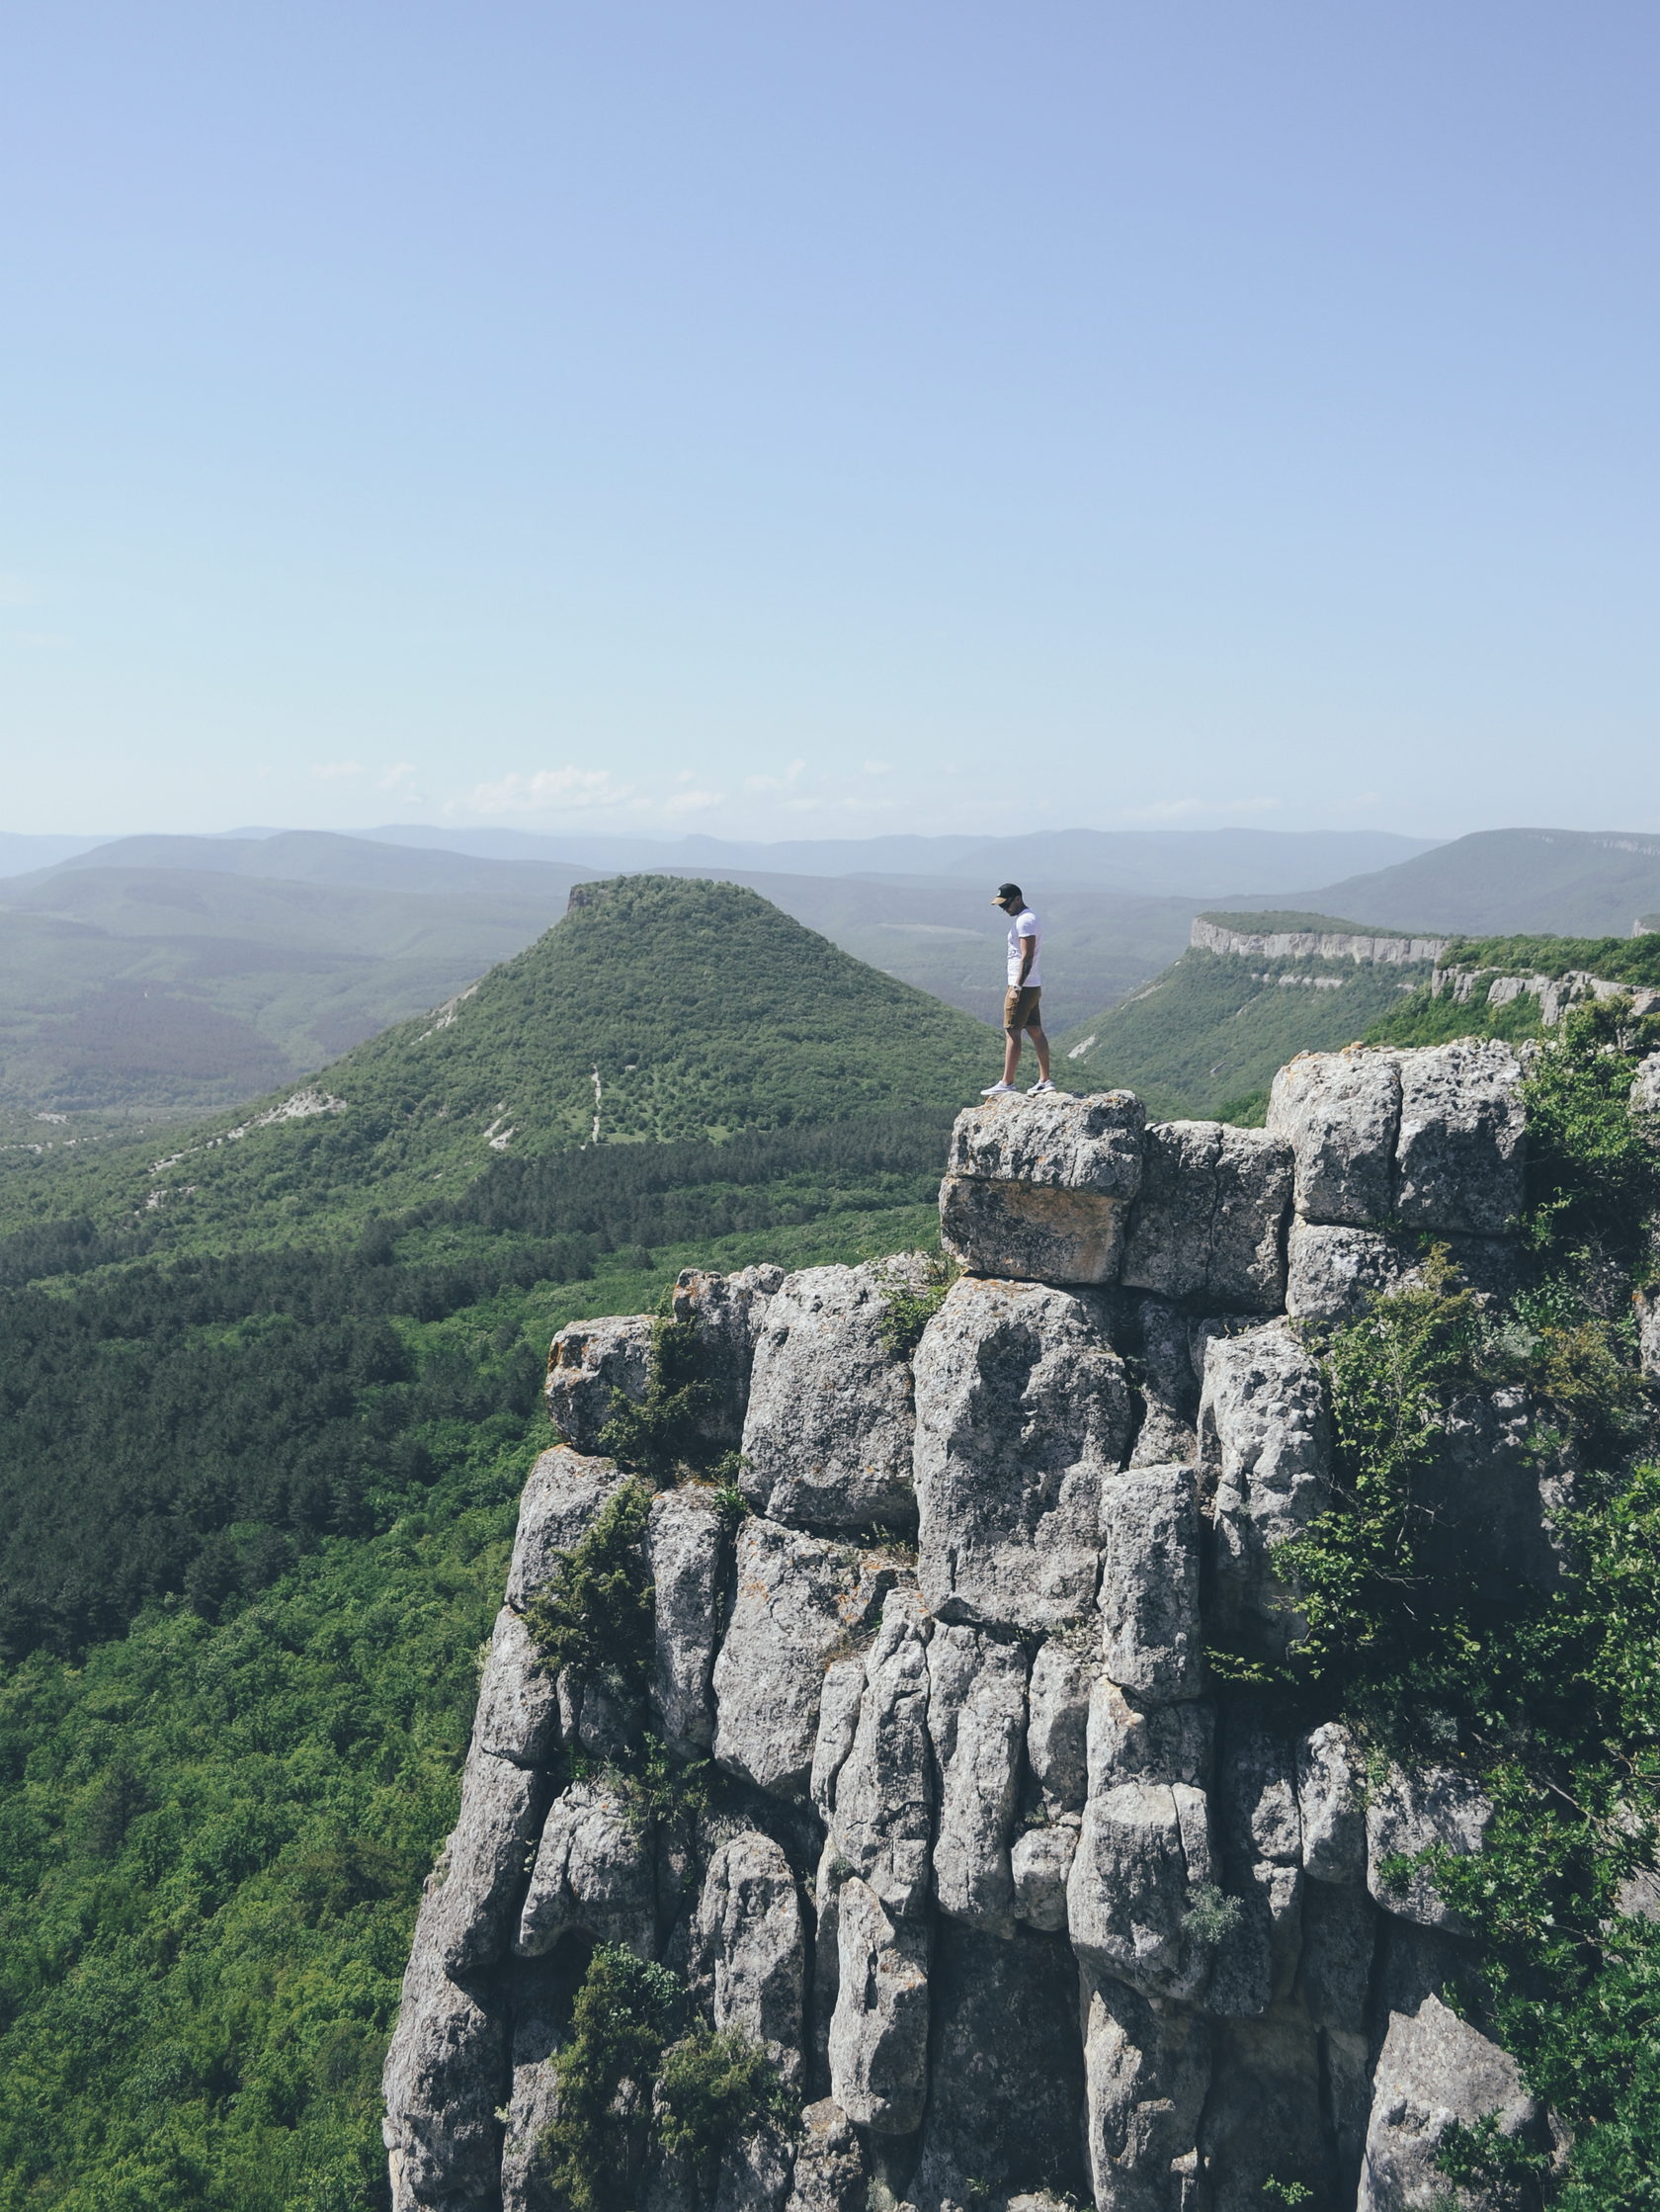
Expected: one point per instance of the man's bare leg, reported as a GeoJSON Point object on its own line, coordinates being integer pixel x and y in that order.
{"type": "Point", "coordinates": [1041, 1045]}
{"type": "Point", "coordinates": [1011, 1053]}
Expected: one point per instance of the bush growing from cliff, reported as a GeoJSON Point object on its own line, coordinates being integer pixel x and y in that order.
{"type": "Point", "coordinates": [596, 1614]}
{"type": "Point", "coordinates": [658, 1436]}
{"type": "Point", "coordinates": [1548, 1697]}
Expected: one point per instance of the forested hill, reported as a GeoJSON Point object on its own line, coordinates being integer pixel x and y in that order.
{"type": "Point", "coordinates": [658, 1010]}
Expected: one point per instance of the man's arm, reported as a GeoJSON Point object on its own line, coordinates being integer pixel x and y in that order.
{"type": "Point", "coordinates": [1029, 953]}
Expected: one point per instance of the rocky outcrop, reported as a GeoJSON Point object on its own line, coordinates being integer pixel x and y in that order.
{"type": "Point", "coordinates": [1316, 943]}
{"type": "Point", "coordinates": [1018, 1902]}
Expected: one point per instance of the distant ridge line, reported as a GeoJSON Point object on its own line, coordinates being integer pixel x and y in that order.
{"type": "Point", "coordinates": [1311, 937]}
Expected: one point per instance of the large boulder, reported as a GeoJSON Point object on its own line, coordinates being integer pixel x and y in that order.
{"type": "Point", "coordinates": [1264, 1442]}
{"type": "Point", "coordinates": [469, 1914]}
{"type": "Point", "coordinates": [976, 1717]}
{"type": "Point", "coordinates": [800, 1601]}
{"type": "Point", "coordinates": [1208, 1225]}
{"type": "Point", "coordinates": [1147, 2077]}
{"type": "Point", "coordinates": [1335, 1273]}
{"type": "Point", "coordinates": [1037, 1189]}
{"type": "Point", "coordinates": [880, 1801]}
{"type": "Point", "coordinates": [1459, 1154]}
{"type": "Point", "coordinates": [749, 1943]}
{"type": "Point", "coordinates": [1340, 1113]}
{"type": "Point", "coordinates": [561, 1500]}
{"type": "Point", "coordinates": [827, 1437]}
{"type": "Point", "coordinates": [686, 1551]}
{"type": "Point", "coordinates": [726, 1312]}
{"type": "Point", "coordinates": [878, 2032]}
{"type": "Point", "coordinates": [1152, 1644]}
{"type": "Point", "coordinates": [588, 1364]}
{"type": "Point", "coordinates": [1409, 1812]}
{"type": "Point", "coordinates": [446, 2075]}
{"type": "Point", "coordinates": [1162, 1339]}
{"type": "Point", "coordinates": [1023, 1419]}
{"type": "Point", "coordinates": [518, 1711]}
{"type": "Point", "coordinates": [1331, 1805]}
{"type": "Point", "coordinates": [593, 1873]}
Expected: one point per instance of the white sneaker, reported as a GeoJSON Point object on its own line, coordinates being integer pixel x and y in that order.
{"type": "Point", "coordinates": [998, 1091]}
{"type": "Point", "coordinates": [1036, 1091]}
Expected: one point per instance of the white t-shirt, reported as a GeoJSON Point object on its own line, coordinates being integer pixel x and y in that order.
{"type": "Point", "coordinates": [1025, 924]}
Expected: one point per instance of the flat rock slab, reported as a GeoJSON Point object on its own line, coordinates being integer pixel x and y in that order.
{"type": "Point", "coordinates": [1022, 1418]}
{"type": "Point", "coordinates": [588, 1364]}
{"type": "Point", "coordinates": [1210, 1224]}
{"type": "Point", "coordinates": [1031, 1232]}
{"type": "Point", "coordinates": [1058, 1141]}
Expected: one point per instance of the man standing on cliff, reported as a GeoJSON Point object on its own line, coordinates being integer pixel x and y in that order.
{"type": "Point", "coordinates": [1019, 1000]}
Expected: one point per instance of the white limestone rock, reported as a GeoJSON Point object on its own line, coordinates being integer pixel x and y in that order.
{"type": "Point", "coordinates": [881, 1807]}
{"type": "Point", "coordinates": [839, 1707]}
{"type": "Point", "coordinates": [1645, 1086]}
{"type": "Point", "coordinates": [1058, 1141]}
{"type": "Point", "coordinates": [1434, 2069]}
{"type": "Point", "coordinates": [1459, 1154]}
{"type": "Point", "coordinates": [1022, 1418]}
{"type": "Point", "coordinates": [1031, 1233]}
{"type": "Point", "coordinates": [587, 1363]}
{"type": "Point", "coordinates": [1208, 1225]}
{"type": "Point", "coordinates": [828, 1434]}
{"type": "Point", "coordinates": [1413, 1811]}
{"type": "Point", "coordinates": [727, 1312]}
{"type": "Point", "coordinates": [1340, 1113]}
{"type": "Point", "coordinates": [443, 2081]}
{"type": "Point", "coordinates": [1331, 1805]}
{"type": "Point", "coordinates": [1169, 1386]}
{"type": "Point", "coordinates": [799, 1600]}
{"type": "Point", "coordinates": [878, 2032]}
{"type": "Point", "coordinates": [1152, 1645]}
{"type": "Point", "coordinates": [468, 1918]}
{"type": "Point", "coordinates": [1040, 1867]}
{"type": "Point", "coordinates": [976, 1716]}
{"type": "Point", "coordinates": [686, 1549]}
{"type": "Point", "coordinates": [831, 2173]}
{"type": "Point", "coordinates": [1146, 2077]}
{"type": "Point", "coordinates": [518, 1711]}
{"type": "Point", "coordinates": [563, 1498]}
{"type": "Point", "coordinates": [749, 1943]}
{"type": "Point", "coordinates": [1264, 1437]}
{"type": "Point", "coordinates": [1334, 1273]}
{"type": "Point", "coordinates": [593, 1872]}
{"type": "Point", "coordinates": [1063, 1670]}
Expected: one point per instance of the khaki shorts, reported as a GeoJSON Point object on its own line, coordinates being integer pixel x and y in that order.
{"type": "Point", "coordinates": [1020, 1008]}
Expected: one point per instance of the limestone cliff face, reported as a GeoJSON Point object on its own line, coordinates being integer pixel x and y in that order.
{"type": "Point", "coordinates": [1020, 1904]}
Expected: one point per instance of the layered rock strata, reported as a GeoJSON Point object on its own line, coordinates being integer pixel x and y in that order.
{"type": "Point", "coordinates": [1018, 1903]}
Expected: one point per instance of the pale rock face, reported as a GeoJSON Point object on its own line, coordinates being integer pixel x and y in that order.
{"type": "Point", "coordinates": [1146, 2076]}
{"type": "Point", "coordinates": [1340, 1113]}
{"type": "Point", "coordinates": [1264, 1431]}
{"type": "Point", "coordinates": [1648, 1333]}
{"type": "Point", "coordinates": [561, 1502]}
{"type": "Point", "coordinates": [830, 2173]}
{"type": "Point", "coordinates": [881, 1801]}
{"type": "Point", "coordinates": [839, 1707]}
{"type": "Point", "coordinates": [1040, 1866]}
{"type": "Point", "coordinates": [518, 1711]}
{"type": "Point", "coordinates": [748, 1935]}
{"type": "Point", "coordinates": [976, 1714]}
{"type": "Point", "coordinates": [1434, 2069]}
{"type": "Point", "coordinates": [1411, 1812]}
{"type": "Point", "coordinates": [587, 1363]}
{"type": "Point", "coordinates": [1209, 1221]}
{"type": "Point", "coordinates": [1128, 1742]}
{"type": "Point", "coordinates": [1057, 1724]}
{"type": "Point", "coordinates": [470, 1915]}
{"type": "Point", "coordinates": [1334, 1274]}
{"type": "Point", "coordinates": [444, 2078]}
{"type": "Point", "coordinates": [754, 2173]}
{"type": "Point", "coordinates": [685, 1554]}
{"type": "Point", "coordinates": [1030, 1233]}
{"type": "Point", "coordinates": [1331, 1806]}
{"type": "Point", "coordinates": [1142, 1851]}
{"type": "Point", "coordinates": [1169, 1387]}
{"type": "Point", "coordinates": [1055, 1142]}
{"type": "Point", "coordinates": [799, 1600]}
{"type": "Point", "coordinates": [1007, 2087]}
{"type": "Point", "coordinates": [727, 1312]}
{"type": "Point", "coordinates": [878, 2032]}
{"type": "Point", "coordinates": [1152, 1646]}
{"type": "Point", "coordinates": [829, 1428]}
{"type": "Point", "coordinates": [1023, 1417]}
{"type": "Point", "coordinates": [1260, 1835]}
{"type": "Point", "coordinates": [1645, 1087]}
{"type": "Point", "coordinates": [593, 1873]}
{"type": "Point", "coordinates": [1459, 1155]}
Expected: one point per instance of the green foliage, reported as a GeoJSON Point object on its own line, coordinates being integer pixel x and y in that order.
{"type": "Point", "coordinates": [1282, 921]}
{"type": "Point", "coordinates": [1211, 1914]}
{"type": "Point", "coordinates": [1616, 960]}
{"type": "Point", "coordinates": [660, 1436]}
{"type": "Point", "coordinates": [907, 1312]}
{"type": "Point", "coordinates": [1550, 1697]}
{"type": "Point", "coordinates": [1287, 2192]}
{"type": "Point", "coordinates": [597, 1612]}
{"type": "Point", "coordinates": [714, 2086]}
{"type": "Point", "coordinates": [626, 2077]}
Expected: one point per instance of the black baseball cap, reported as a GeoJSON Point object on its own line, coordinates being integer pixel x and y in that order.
{"type": "Point", "coordinates": [1007, 891]}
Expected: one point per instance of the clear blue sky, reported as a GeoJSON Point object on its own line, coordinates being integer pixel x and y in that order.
{"type": "Point", "coordinates": [806, 419]}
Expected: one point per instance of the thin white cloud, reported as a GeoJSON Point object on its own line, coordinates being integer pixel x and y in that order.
{"type": "Point", "coordinates": [792, 775]}
{"type": "Point", "coordinates": [694, 802]}
{"type": "Point", "coordinates": [397, 776]}
{"type": "Point", "coordinates": [543, 790]}
{"type": "Point", "coordinates": [335, 771]}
